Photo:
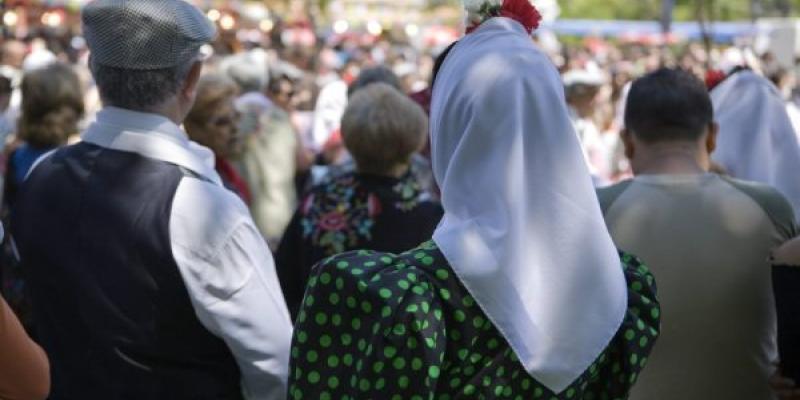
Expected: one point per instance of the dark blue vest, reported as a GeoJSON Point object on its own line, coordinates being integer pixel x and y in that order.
{"type": "Point", "coordinates": [92, 228]}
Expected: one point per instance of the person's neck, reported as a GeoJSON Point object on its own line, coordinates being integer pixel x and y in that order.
{"type": "Point", "coordinates": [671, 159]}
{"type": "Point", "coordinates": [582, 111]}
{"type": "Point", "coordinates": [398, 171]}
{"type": "Point", "coordinates": [170, 109]}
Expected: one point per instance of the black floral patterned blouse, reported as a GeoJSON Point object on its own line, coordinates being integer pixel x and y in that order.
{"type": "Point", "coordinates": [381, 326]}
{"type": "Point", "coordinates": [353, 211]}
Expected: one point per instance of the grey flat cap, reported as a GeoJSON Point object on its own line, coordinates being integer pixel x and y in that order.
{"type": "Point", "coordinates": [144, 34]}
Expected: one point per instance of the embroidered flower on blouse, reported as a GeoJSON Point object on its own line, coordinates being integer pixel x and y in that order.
{"type": "Point", "coordinates": [333, 221]}
{"type": "Point", "coordinates": [410, 193]}
{"type": "Point", "coordinates": [714, 78]}
{"type": "Point", "coordinates": [341, 214]}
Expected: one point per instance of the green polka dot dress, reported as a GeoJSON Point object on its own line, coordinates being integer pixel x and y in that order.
{"type": "Point", "coordinates": [402, 327]}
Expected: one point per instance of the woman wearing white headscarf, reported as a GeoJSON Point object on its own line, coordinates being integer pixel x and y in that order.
{"type": "Point", "coordinates": [756, 139]}
{"type": "Point", "coordinates": [521, 293]}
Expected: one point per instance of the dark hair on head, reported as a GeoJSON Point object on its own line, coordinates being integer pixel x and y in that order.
{"type": "Point", "coordinates": [668, 105]}
{"type": "Point", "coordinates": [276, 82]}
{"type": "Point", "coordinates": [776, 75]}
{"type": "Point", "coordinates": [437, 64]}
{"type": "Point", "coordinates": [379, 74]}
{"type": "Point", "coordinates": [52, 106]}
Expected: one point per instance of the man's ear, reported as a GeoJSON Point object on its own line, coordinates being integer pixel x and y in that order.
{"type": "Point", "coordinates": [627, 140]}
{"type": "Point", "coordinates": [711, 138]}
{"type": "Point", "coordinates": [190, 86]}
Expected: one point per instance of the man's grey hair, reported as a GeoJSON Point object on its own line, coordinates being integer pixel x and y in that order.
{"type": "Point", "coordinates": [139, 90]}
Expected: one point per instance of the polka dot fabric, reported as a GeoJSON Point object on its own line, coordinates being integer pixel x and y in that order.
{"type": "Point", "coordinates": [381, 326]}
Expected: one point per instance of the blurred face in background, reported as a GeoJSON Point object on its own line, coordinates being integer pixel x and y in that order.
{"type": "Point", "coordinates": [220, 130]}
{"type": "Point", "coordinates": [13, 54]}
{"type": "Point", "coordinates": [583, 98]}
{"type": "Point", "coordinates": [281, 92]}
{"type": "Point", "coordinates": [213, 120]}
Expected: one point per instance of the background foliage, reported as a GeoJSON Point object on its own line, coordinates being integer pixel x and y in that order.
{"type": "Point", "coordinates": [684, 9]}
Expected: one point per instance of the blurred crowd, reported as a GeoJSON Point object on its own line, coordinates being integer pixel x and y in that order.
{"type": "Point", "coordinates": [271, 105]}
{"type": "Point", "coordinates": [325, 139]}
{"type": "Point", "coordinates": [296, 93]}
{"type": "Point", "coordinates": [301, 82]}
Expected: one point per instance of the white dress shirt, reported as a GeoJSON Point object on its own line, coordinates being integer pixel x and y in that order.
{"type": "Point", "coordinates": [225, 263]}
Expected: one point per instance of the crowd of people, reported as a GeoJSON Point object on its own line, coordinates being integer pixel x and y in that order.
{"type": "Point", "coordinates": [194, 217]}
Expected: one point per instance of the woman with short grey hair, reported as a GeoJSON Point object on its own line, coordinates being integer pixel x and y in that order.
{"type": "Point", "coordinates": [379, 207]}
{"type": "Point", "coordinates": [382, 129]}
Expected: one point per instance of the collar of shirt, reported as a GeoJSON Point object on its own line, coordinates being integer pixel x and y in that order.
{"type": "Point", "coordinates": [675, 179]}
{"type": "Point", "coordinates": [150, 135]}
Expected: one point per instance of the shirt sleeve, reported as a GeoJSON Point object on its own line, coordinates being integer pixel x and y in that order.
{"type": "Point", "coordinates": [775, 205]}
{"type": "Point", "coordinates": [609, 195]}
{"type": "Point", "coordinates": [411, 349]}
{"type": "Point", "coordinates": [24, 369]}
{"type": "Point", "coordinates": [387, 343]}
{"type": "Point", "coordinates": [618, 368]}
{"type": "Point", "coordinates": [230, 276]}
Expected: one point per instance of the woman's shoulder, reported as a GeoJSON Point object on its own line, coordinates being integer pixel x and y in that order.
{"type": "Point", "coordinates": [373, 265]}
{"type": "Point", "coordinates": [644, 309]}
{"type": "Point", "coordinates": [372, 286]}
{"type": "Point", "coordinates": [382, 276]}
{"type": "Point", "coordinates": [332, 190]}
{"type": "Point", "coordinates": [333, 179]}
{"type": "Point", "coordinates": [432, 209]}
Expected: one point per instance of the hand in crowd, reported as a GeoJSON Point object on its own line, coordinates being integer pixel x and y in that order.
{"type": "Point", "coordinates": [785, 388]}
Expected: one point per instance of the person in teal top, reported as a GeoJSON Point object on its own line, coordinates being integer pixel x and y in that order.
{"type": "Point", "coordinates": [520, 293]}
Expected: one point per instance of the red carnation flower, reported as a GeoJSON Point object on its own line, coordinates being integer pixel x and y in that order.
{"type": "Point", "coordinates": [714, 78]}
{"type": "Point", "coordinates": [523, 12]}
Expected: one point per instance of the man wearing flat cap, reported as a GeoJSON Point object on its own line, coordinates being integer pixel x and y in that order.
{"type": "Point", "coordinates": [149, 279]}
